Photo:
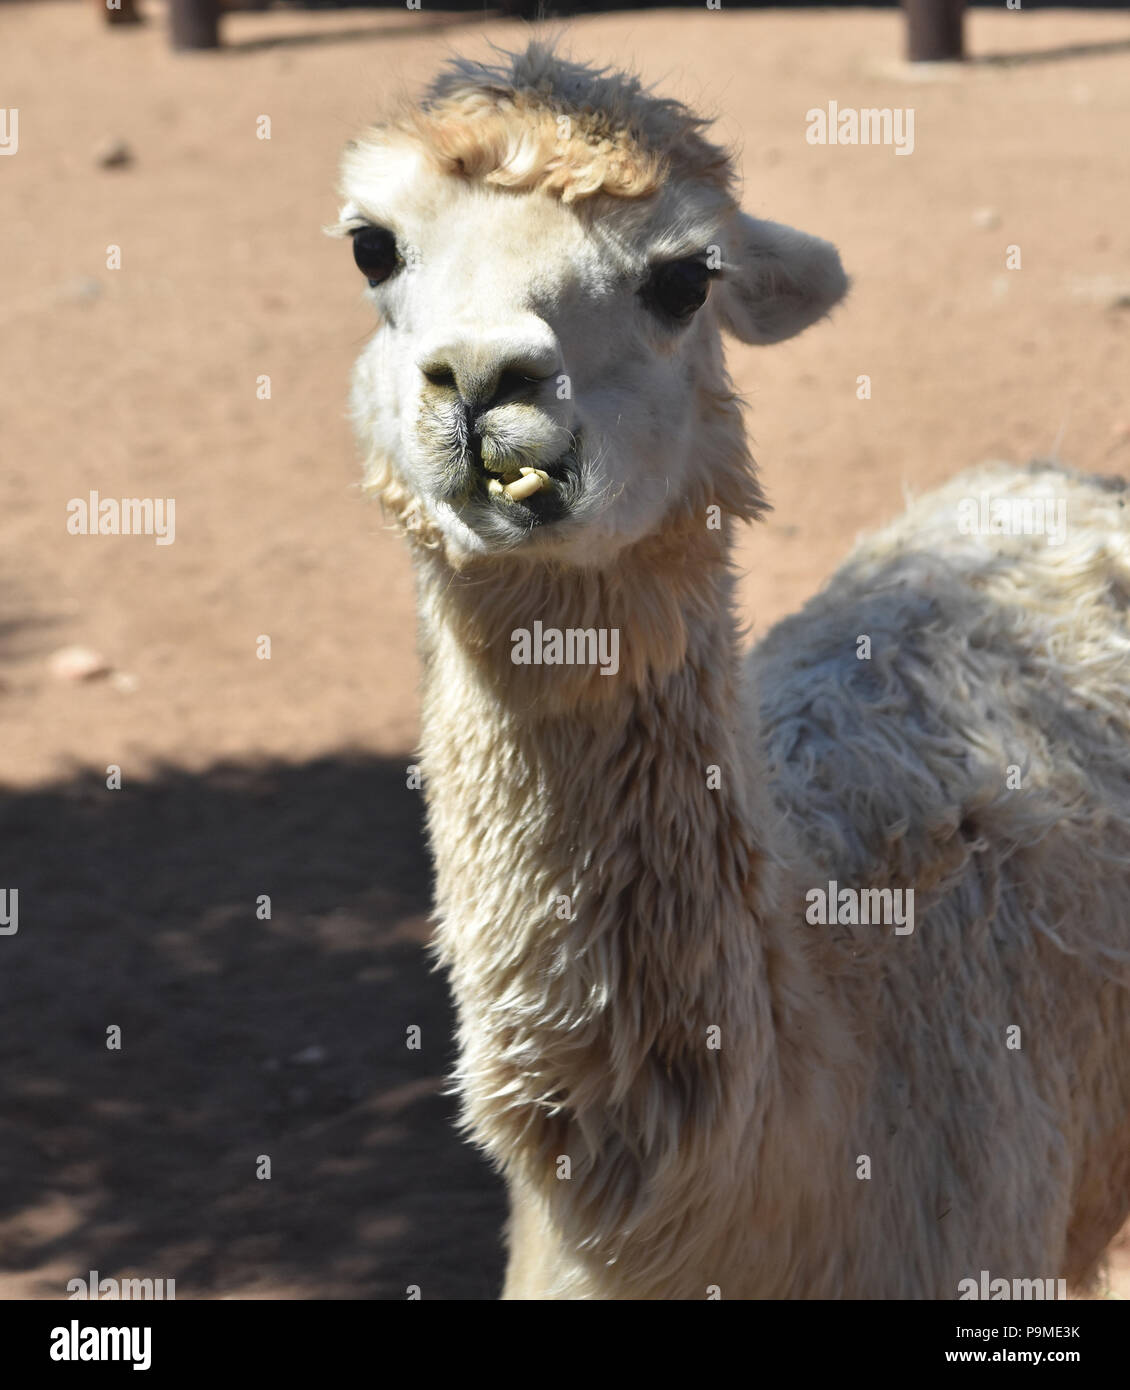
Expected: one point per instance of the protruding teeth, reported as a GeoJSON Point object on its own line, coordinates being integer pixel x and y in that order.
{"type": "Point", "coordinates": [494, 487]}
{"type": "Point", "coordinates": [529, 483]}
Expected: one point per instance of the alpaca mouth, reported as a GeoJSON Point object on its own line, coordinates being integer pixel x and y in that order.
{"type": "Point", "coordinates": [520, 486]}
{"type": "Point", "coordinates": [526, 497]}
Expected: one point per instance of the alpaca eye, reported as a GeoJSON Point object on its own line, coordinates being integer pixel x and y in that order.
{"type": "Point", "coordinates": [374, 250]}
{"type": "Point", "coordinates": [678, 288]}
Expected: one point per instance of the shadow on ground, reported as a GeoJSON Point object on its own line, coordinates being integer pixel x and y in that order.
{"type": "Point", "coordinates": [434, 24]}
{"type": "Point", "coordinates": [240, 1037]}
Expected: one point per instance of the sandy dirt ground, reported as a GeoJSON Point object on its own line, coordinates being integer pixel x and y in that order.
{"type": "Point", "coordinates": [240, 776]}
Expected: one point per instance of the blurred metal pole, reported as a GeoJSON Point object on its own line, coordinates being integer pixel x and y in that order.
{"type": "Point", "coordinates": [934, 31]}
{"type": "Point", "coordinates": [195, 23]}
{"type": "Point", "coordinates": [124, 12]}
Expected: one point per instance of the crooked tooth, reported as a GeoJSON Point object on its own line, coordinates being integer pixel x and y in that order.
{"type": "Point", "coordinates": [529, 483]}
{"type": "Point", "coordinates": [494, 487]}
{"type": "Point", "coordinates": [542, 474]}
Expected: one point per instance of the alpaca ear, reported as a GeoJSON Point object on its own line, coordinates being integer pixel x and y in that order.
{"type": "Point", "coordinates": [776, 281]}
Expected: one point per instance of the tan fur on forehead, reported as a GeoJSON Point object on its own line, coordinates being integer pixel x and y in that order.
{"type": "Point", "coordinates": [536, 121]}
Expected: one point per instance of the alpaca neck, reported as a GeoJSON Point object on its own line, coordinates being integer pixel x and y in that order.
{"type": "Point", "coordinates": [603, 884]}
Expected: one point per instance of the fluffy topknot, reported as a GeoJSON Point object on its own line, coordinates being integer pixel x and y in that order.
{"type": "Point", "coordinates": [535, 120]}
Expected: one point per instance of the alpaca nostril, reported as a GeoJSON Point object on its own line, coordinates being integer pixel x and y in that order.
{"type": "Point", "coordinates": [439, 375]}
{"type": "Point", "coordinates": [513, 385]}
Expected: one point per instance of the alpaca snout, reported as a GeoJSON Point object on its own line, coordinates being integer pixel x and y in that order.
{"type": "Point", "coordinates": [490, 413]}
{"type": "Point", "coordinates": [509, 451]}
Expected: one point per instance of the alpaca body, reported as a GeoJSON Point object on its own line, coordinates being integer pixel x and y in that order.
{"type": "Point", "coordinates": [688, 1083]}
{"type": "Point", "coordinates": [981, 756]}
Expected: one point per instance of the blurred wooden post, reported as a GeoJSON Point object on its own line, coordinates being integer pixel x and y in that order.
{"type": "Point", "coordinates": [120, 12]}
{"type": "Point", "coordinates": [195, 23]}
{"type": "Point", "coordinates": [934, 30]}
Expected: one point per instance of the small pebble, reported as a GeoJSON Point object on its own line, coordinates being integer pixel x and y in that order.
{"type": "Point", "coordinates": [112, 153]}
{"type": "Point", "coordinates": [77, 664]}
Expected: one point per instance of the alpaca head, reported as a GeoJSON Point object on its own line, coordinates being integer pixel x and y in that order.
{"type": "Point", "coordinates": [552, 253]}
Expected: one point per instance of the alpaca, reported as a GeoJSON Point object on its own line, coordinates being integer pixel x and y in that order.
{"type": "Point", "coordinates": [696, 1079]}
